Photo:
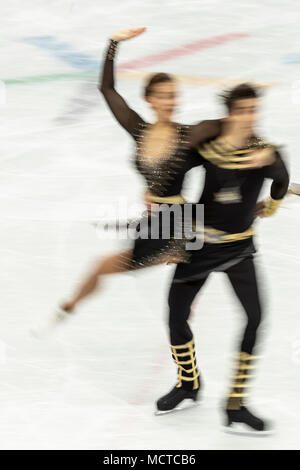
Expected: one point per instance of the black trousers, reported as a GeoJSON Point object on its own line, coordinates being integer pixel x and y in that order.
{"type": "Point", "coordinates": [243, 279]}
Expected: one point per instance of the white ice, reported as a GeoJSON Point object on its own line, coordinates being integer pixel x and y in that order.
{"type": "Point", "coordinates": [93, 384]}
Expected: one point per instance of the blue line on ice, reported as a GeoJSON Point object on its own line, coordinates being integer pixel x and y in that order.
{"type": "Point", "coordinates": [64, 52]}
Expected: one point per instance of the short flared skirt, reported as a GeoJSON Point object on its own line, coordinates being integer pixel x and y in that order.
{"type": "Point", "coordinates": [159, 239]}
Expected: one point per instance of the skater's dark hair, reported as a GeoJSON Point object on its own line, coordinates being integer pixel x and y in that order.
{"type": "Point", "coordinates": [239, 92]}
{"type": "Point", "coordinates": [154, 80]}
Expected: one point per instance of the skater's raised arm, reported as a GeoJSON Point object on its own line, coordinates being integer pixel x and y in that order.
{"type": "Point", "coordinates": [120, 109]}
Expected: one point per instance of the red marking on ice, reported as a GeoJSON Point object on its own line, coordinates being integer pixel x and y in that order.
{"type": "Point", "coordinates": [182, 50]}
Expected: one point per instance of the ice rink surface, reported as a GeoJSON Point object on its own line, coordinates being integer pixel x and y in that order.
{"type": "Point", "coordinates": [93, 384]}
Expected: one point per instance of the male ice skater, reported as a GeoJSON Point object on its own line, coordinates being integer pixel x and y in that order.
{"type": "Point", "coordinates": [230, 206]}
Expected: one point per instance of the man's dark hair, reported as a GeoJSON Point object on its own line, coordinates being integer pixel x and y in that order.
{"type": "Point", "coordinates": [239, 92]}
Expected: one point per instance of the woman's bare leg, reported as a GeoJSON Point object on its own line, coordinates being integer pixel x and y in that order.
{"type": "Point", "coordinates": [121, 262]}
{"type": "Point", "coordinates": [118, 263]}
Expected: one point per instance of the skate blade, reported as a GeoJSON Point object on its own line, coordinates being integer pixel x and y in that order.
{"type": "Point", "coordinates": [242, 429]}
{"type": "Point", "coordinates": [185, 405]}
{"type": "Point", "coordinates": [54, 320]}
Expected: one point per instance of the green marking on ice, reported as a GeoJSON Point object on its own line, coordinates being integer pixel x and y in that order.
{"type": "Point", "coordinates": [49, 78]}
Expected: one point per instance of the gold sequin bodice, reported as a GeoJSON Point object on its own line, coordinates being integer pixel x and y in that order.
{"type": "Point", "coordinates": [164, 171]}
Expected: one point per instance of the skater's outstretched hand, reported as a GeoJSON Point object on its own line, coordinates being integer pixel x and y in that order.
{"type": "Point", "coordinates": [267, 208]}
{"type": "Point", "coordinates": [259, 158]}
{"type": "Point", "coordinates": [126, 34]}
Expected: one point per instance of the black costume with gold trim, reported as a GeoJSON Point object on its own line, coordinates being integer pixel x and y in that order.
{"type": "Point", "coordinates": [229, 196]}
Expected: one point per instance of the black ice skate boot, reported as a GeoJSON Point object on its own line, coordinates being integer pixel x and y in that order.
{"type": "Point", "coordinates": [188, 384]}
{"type": "Point", "coordinates": [239, 419]}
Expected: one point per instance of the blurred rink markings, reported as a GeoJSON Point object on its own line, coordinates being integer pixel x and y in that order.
{"type": "Point", "coordinates": [89, 66]}
{"type": "Point", "coordinates": [135, 76]}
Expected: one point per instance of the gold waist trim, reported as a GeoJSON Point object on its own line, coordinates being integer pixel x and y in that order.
{"type": "Point", "coordinates": [212, 235]}
{"type": "Point", "coordinates": [177, 199]}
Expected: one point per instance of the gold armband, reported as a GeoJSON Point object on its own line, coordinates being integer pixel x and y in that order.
{"type": "Point", "coordinates": [112, 49]}
{"type": "Point", "coordinates": [271, 206]}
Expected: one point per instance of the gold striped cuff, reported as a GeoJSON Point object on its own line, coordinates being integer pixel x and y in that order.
{"type": "Point", "coordinates": [238, 395]}
{"type": "Point", "coordinates": [271, 206]}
